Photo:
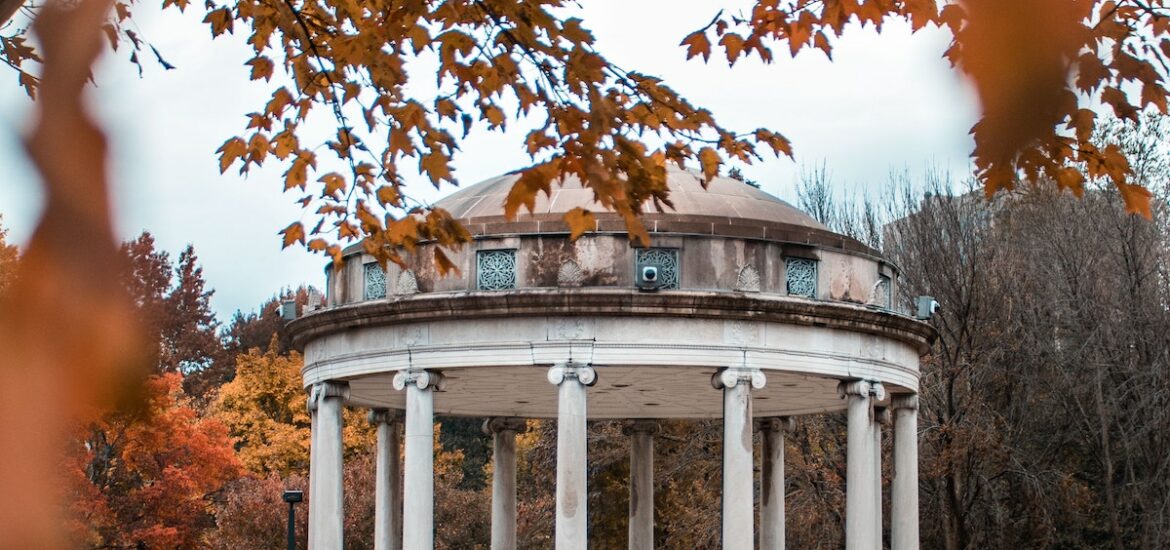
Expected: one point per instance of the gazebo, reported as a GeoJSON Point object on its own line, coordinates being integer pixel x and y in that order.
{"type": "Point", "coordinates": [742, 308]}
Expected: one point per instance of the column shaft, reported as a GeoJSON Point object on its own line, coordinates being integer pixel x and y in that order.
{"type": "Point", "coordinates": [418, 514]}
{"type": "Point", "coordinates": [503, 431]}
{"type": "Point", "coordinates": [859, 484]}
{"type": "Point", "coordinates": [879, 418]}
{"type": "Point", "coordinates": [738, 519]}
{"type": "Point", "coordinates": [388, 477]}
{"type": "Point", "coordinates": [572, 515]}
{"type": "Point", "coordinates": [904, 490]}
{"type": "Point", "coordinates": [772, 483]}
{"type": "Point", "coordinates": [641, 526]}
{"type": "Point", "coordinates": [329, 523]}
{"type": "Point", "coordinates": [313, 446]}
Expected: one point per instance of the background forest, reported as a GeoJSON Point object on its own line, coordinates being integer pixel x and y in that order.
{"type": "Point", "coordinates": [1045, 418]}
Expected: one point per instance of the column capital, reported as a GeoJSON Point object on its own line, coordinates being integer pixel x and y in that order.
{"type": "Point", "coordinates": [881, 415]}
{"type": "Point", "coordinates": [775, 424]}
{"type": "Point", "coordinates": [385, 416]}
{"type": "Point", "coordinates": [866, 388]}
{"type": "Point", "coordinates": [497, 424]}
{"type": "Point", "coordinates": [581, 372]}
{"type": "Point", "coordinates": [423, 379]}
{"type": "Point", "coordinates": [904, 401]}
{"type": "Point", "coordinates": [730, 377]}
{"type": "Point", "coordinates": [329, 388]}
{"type": "Point", "coordinates": [641, 426]}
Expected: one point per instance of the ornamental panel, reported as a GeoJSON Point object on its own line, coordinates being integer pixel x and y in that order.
{"type": "Point", "coordinates": [495, 269]}
{"type": "Point", "coordinates": [375, 288]}
{"type": "Point", "coordinates": [665, 259]}
{"type": "Point", "coordinates": [801, 275]}
{"type": "Point", "coordinates": [883, 294]}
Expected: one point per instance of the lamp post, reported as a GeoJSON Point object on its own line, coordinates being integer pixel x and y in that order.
{"type": "Point", "coordinates": [292, 498]}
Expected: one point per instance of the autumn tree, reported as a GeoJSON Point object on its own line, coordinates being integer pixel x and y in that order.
{"type": "Point", "coordinates": [252, 514]}
{"type": "Point", "coordinates": [172, 300]}
{"type": "Point", "coordinates": [265, 413]}
{"type": "Point", "coordinates": [143, 478]}
{"type": "Point", "coordinates": [1044, 398]}
{"type": "Point", "coordinates": [246, 331]}
{"type": "Point", "coordinates": [142, 472]}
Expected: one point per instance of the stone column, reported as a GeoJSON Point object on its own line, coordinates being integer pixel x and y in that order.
{"type": "Point", "coordinates": [329, 521]}
{"type": "Point", "coordinates": [641, 531]}
{"type": "Point", "coordinates": [881, 417]}
{"type": "Point", "coordinates": [503, 432]}
{"type": "Point", "coordinates": [737, 384]}
{"type": "Point", "coordinates": [772, 482]}
{"type": "Point", "coordinates": [388, 478]}
{"type": "Point", "coordinates": [418, 509]}
{"type": "Point", "coordinates": [904, 490]}
{"type": "Point", "coordinates": [572, 515]}
{"type": "Point", "coordinates": [314, 391]}
{"type": "Point", "coordinates": [860, 515]}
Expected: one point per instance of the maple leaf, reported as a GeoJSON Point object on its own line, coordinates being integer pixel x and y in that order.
{"type": "Point", "coordinates": [697, 44]}
{"type": "Point", "coordinates": [710, 161]}
{"type": "Point", "coordinates": [232, 149]}
{"type": "Point", "coordinates": [580, 220]}
{"type": "Point", "coordinates": [294, 233]}
{"type": "Point", "coordinates": [1137, 199]}
{"type": "Point", "coordinates": [444, 263]}
{"type": "Point", "coordinates": [732, 44]}
{"type": "Point", "coordinates": [261, 68]}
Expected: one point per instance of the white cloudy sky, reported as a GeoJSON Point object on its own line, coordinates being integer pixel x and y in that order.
{"type": "Point", "coordinates": [884, 103]}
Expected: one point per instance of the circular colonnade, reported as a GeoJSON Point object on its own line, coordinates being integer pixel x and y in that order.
{"type": "Point", "coordinates": [743, 308]}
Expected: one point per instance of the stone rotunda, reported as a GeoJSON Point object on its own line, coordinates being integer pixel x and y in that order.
{"type": "Point", "coordinates": [742, 309]}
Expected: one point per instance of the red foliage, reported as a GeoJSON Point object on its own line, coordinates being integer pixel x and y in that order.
{"type": "Point", "coordinates": [145, 477]}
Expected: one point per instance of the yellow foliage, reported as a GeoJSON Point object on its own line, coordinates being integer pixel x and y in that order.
{"type": "Point", "coordinates": [265, 411]}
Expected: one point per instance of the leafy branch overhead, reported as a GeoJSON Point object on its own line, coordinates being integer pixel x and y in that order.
{"type": "Point", "coordinates": [1042, 69]}
{"type": "Point", "coordinates": [493, 59]}
{"type": "Point", "coordinates": [1045, 70]}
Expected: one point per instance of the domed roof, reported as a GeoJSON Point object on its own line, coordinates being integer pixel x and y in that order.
{"type": "Point", "coordinates": [725, 198]}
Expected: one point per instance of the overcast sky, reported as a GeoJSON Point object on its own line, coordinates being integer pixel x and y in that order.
{"type": "Point", "coordinates": [884, 103]}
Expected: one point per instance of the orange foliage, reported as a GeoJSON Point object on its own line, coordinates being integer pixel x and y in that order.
{"type": "Point", "coordinates": [1041, 69]}
{"type": "Point", "coordinates": [145, 477]}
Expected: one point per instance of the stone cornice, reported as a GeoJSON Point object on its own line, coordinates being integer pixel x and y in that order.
{"type": "Point", "coordinates": [611, 302]}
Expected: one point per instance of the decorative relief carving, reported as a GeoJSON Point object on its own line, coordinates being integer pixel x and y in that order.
{"type": "Point", "coordinates": [423, 379]}
{"type": "Point", "coordinates": [570, 274]}
{"type": "Point", "coordinates": [801, 277]}
{"type": "Point", "coordinates": [748, 279]}
{"type": "Point", "coordinates": [775, 424]}
{"type": "Point", "coordinates": [407, 283]}
{"type": "Point", "coordinates": [740, 333]}
{"type": "Point", "coordinates": [384, 416]}
{"type": "Point", "coordinates": [731, 377]}
{"type": "Point", "coordinates": [904, 401]}
{"type": "Point", "coordinates": [497, 424]}
{"type": "Point", "coordinates": [569, 328]}
{"type": "Point", "coordinates": [572, 371]}
{"type": "Point", "coordinates": [375, 282]}
{"type": "Point", "coordinates": [665, 259]}
{"type": "Point", "coordinates": [411, 336]}
{"type": "Point", "coordinates": [330, 388]}
{"type": "Point", "coordinates": [495, 269]}
{"type": "Point", "coordinates": [872, 346]}
{"type": "Point", "coordinates": [881, 294]}
{"type": "Point", "coordinates": [868, 388]}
